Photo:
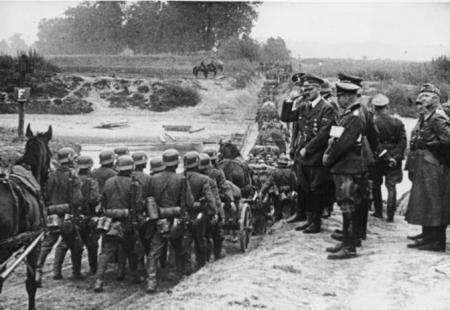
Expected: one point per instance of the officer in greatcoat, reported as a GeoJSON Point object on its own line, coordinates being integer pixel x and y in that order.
{"type": "Point", "coordinates": [388, 163]}
{"type": "Point", "coordinates": [345, 159]}
{"type": "Point", "coordinates": [428, 168]}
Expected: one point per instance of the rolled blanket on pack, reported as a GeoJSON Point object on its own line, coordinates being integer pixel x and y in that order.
{"type": "Point", "coordinates": [169, 212]}
{"type": "Point", "coordinates": [117, 214]}
{"type": "Point", "coordinates": [59, 209]}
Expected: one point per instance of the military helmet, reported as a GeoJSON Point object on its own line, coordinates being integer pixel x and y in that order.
{"type": "Point", "coordinates": [170, 157]}
{"type": "Point", "coordinates": [106, 157]}
{"type": "Point", "coordinates": [84, 162]}
{"type": "Point", "coordinates": [204, 161]}
{"type": "Point", "coordinates": [191, 159]}
{"type": "Point", "coordinates": [66, 155]}
{"type": "Point", "coordinates": [212, 153]}
{"type": "Point", "coordinates": [139, 158]}
{"type": "Point", "coordinates": [121, 150]}
{"type": "Point", "coordinates": [125, 163]}
{"type": "Point", "coordinates": [156, 164]}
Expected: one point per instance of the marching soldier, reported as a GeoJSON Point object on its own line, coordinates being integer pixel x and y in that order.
{"type": "Point", "coordinates": [428, 169]}
{"type": "Point", "coordinates": [63, 192]}
{"type": "Point", "coordinates": [213, 228]}
{"type": "Point", "coordinates": [156, 166]}
{"type": "Point", "coordinates": [91, 198]}
{"type": "Point", "coordinates": [171, 192]}
{"type": "Point", "coordinates": [284, 182]}
{"type": "Point", "coordinates": [389, 161]}
{"type": "Point", "coordinates": [106, 169]}
{"type": "Point", "coordinates": [214, 172]}
{"type": "Point", "coordinates": [204, 206]}
{"type": "Point", "coordinates": [314, 119]}
{"type": "Point", "coordinates": [116, 201]}
{"type": "Point", "coordinates": [344, 158]}
{"type": "Point", "coordinates": [120, 151]}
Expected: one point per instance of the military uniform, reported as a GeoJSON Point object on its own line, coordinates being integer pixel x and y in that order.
{"type": "Point", "coordinates": [311, 129]}
{"type": "Point", "coordinates": [57, 193]}
{"type": "Point", "coordinates": [119, 239]}
{"type": "Point", "coordinates": [345, 159]}
{"type": "Point", "coordinates": [169, 189]}
{"type": "Point", "coordinates": [428, 168]}
{"type": "Point", "coordinates": [282, 181]}
{"type": "Point", "coordinates": [389, 165]}
{"type": "Point", "coordinates": [202, 194]}
{"type": "Point", "coordinates": [106, 171]}
{"type": "Point", "coordinates": [91, 198]}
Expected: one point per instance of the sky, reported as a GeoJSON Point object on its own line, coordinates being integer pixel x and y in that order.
{"type": "Point", "coordinates": [409, 31]}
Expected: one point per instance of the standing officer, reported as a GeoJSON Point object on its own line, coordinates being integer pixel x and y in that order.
{"type": "Point", "coordinates": [284, 181]}
{"type": "Point", "coordinates": [116, 202]}
{"type": "Point", "coordinates": [63, 187]}
{"type": "Point", "coordinates": [106, 169]}
{"type": "Point", "coordinates": [204, 206]}
{"type": "Point", "coordinates": [91, 198]}
{"type": "Point", "coordinates": [314, 119]}
{"type": "Point", "coordinates": [428, 168]}
{"type": "Point", "coordinates": [344, 158]}
{"type": "Point", "coordinates": [213, 226]}
{"type": "Point", "coordinates": [388, 163]}
{"type": "Point", "coordinates": [169, 190]}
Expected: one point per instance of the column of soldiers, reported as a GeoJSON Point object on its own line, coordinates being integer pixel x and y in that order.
{"type": "Point", "coordinates": [120, 199]}
{"type": "Point", "coordinates": [342, 150]}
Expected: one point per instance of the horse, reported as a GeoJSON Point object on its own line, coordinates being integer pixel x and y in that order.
{"type": "Point", "coordinates": [21, 206]}
{"type": "Point", "coordinates": [235, 170]}
{"type": "Point", "coordinates": [210, 67]}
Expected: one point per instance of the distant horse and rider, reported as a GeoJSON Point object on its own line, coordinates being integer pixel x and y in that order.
{"type": "Point", "coordinates": [22, 221]}
{"type": "Point", "coordinates": [207, 66]}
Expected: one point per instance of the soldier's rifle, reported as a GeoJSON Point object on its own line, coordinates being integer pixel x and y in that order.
{"type": "Point", "coordinates": [134, 215]}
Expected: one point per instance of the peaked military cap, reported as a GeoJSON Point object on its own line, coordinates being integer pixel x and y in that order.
{"type": "Point", "coordinates": [311, 80]}
{"type": "Point", "coordinates": [347, 78]}
{"type": "Point", "coordinates": [347, 88]}
{"type": "Point", "coordinates": [121, 150]}
{"type": "Point", "coordinates": [430, 88]}
{"type": "Point", "coordinates": [156, 165]}
{"type": "Point", "coordinates": [125, 163]}
{"type": "Point", "coordinates": [380, 100]}
{"type": "Point", "coordinates": [204, 161]}
{"type": "Point", "coordinates": [84, 162]}
{"type": "Point", "coordinates": [170, 157]}
{"type": "Point", "coordinates": [106, 157]}
{"type": "Point", "coordinates": [213, 154]}
{"type": "Point", "coordinates": [297, 77]}
{"type": "Point", "coordinates": [140, 158]}
{"type": "Point", "coordinates": [191, 159]}
{"type": "Point", "coordinates": [66, 155]}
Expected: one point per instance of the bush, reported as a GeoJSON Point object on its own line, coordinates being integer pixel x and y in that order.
{"type": "Point", "coordinates": [167, 96]}
{"type": "Point", "coordinates": [235, 48]}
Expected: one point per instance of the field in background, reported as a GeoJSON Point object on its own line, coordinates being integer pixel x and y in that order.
{"type": "Point", "coordinates": [160, 65]}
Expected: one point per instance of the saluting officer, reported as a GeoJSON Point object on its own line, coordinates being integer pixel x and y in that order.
{"type": "Point", "coordinates": [169, 190]}
{"type": "Point", "coordinates": [213, 226]}
{"type": "Point", "coordinates": [388, 163]}
{"type": "Point", "coordinates": [106, 169]}
{"type": "Point", "coordinates": [91, 198]}
{"type": "Point", "coordinates": [204, 207]}
{"type": "Point", "coordinates": [116, 197]}
{"type": "Point", "coordinates": [345, 159]}
{"type": "Point", "coordinates": [314, 119]}
{"type": "Point", "coordinates": [60, 192]}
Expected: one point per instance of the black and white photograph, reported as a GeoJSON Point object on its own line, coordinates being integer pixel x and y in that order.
{"type": "Point", "coordinates": [224, 155]}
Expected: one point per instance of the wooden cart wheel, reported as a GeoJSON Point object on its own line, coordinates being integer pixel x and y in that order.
{"type": "Point", "coordinates": [245, 227]}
